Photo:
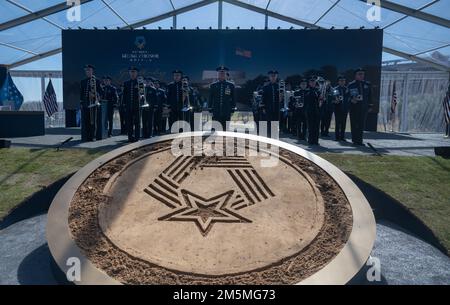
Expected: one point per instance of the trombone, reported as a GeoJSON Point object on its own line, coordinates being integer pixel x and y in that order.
{"type": "Point", "coordinates": [93, 98]}
{"type": "Point", "coordinates": [283, 94]}
{"type": "Point", "coordinates": [141, 92]}
{"type": "Point", "coordinates": [186, 99]}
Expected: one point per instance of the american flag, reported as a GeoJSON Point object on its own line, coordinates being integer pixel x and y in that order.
{"type": "Point", "coordinates": [446, 104]}
{"type": "Point", "coordinates": [394, 99]}
{"type": "Point", "coordinates": [50, 103]}
{"type": "Point", "coordinates": [243, 53]}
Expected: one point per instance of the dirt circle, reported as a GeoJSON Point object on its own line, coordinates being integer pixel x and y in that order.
{"type": "Point", "coordinates": [153, 217]}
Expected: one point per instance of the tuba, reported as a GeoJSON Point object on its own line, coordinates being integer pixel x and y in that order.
{"type": "Point", "coordinates": [141, 92]}
{"type": "Point", "coordinates": [93, 98]}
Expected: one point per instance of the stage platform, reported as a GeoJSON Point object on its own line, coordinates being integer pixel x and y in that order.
{"type": "Point", "coordinates": [401, 144]}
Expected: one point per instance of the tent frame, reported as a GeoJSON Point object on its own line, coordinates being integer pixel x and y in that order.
{"type": "Point", "coordinates": [408, 12]}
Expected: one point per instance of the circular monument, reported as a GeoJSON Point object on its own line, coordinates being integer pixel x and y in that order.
{"type": "Point", "coordinates": [237, 211]}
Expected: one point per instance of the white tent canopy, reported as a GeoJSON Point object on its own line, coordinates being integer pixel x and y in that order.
{"type": "Point", "coordinates": [417, 30]}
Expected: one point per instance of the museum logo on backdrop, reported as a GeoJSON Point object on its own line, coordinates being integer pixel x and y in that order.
{"type": "Point", "coordinates": [140, 53]}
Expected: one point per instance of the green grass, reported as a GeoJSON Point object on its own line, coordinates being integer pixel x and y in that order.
{"type": "Point", "coordinates": [26, 171]}
{"type": "Point", "coordinates": [422, 184]}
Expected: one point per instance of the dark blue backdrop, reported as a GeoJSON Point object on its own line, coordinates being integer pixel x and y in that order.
{"type": "Point", "coordinates": [250, 52]}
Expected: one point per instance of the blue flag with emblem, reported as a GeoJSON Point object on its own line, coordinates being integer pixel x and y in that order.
{"type": "Point", "coordinates": [10, 95]}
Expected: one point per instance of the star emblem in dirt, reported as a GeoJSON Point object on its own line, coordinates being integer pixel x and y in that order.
{"type": "Point", "coordinates": [204, 212]}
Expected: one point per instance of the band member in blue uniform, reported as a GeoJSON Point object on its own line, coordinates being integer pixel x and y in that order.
{"type": "Point", "coordinates": [122, 112]}
{"type": "Point", "coordinates": [326, 110]}
{"type": "Point", "coordinates": [271, 98]}
{"type": "Point", "coordinates": [190, 102]}
{"type": "Point", "coordinates": [90, 93]}
{"type": "Point", "coordinates": [360, 94]}
{"type": "Point", "coordinates": [340, 105]}
{"type": "Point", "coordinates": [132, 104]}
{"type": "Point", "coordinates": [148, 112]}
{"type": "Point", "coordinates": [111, 98]}
{"type": "Point", "coordinates": [175, 97]}
{"type": "Point", "coordinates": [298, 106]}
{"type": "Point", "coordinates": [258, 107]}
{"type": "Point", "coordinates": [160, 102]}
{"type": "Point", "coordinates": [312, 100]}
{"type": "Point", "coordinates": [222, 98]}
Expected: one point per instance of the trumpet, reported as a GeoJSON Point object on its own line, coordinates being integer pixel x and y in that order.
{"type": "Point", "coordinates": [356, 97]}
{"type": "Point", "coordinates": [257, 99]}
{"type": "Point", "coordinates": [93, 98]}
{"type": "Point", "coordinates": [141, 92]}
{"type": "Point", "coordinates": [299, 101]}
{"type": "Point", "coordinates": [338, 97]}
{"type": "Point", "coordinates": [283, 94]}
{"type": "Point", "coordinates": [186, 99]}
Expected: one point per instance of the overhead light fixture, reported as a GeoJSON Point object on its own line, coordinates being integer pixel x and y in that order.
{"type": "Point", "coordinates": [159, 28]}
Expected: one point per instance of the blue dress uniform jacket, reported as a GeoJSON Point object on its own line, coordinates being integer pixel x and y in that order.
{"type": "Point", "coordinates": [131, 100]}
{"type": "Point", "coordinates": [222, 100]}
{"type": "Point", "coordinates": [340, 108]}
{"type": "Point", "coordinates": [88, 124]}
{"type": "Point", "coordinates": [360, 93]}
